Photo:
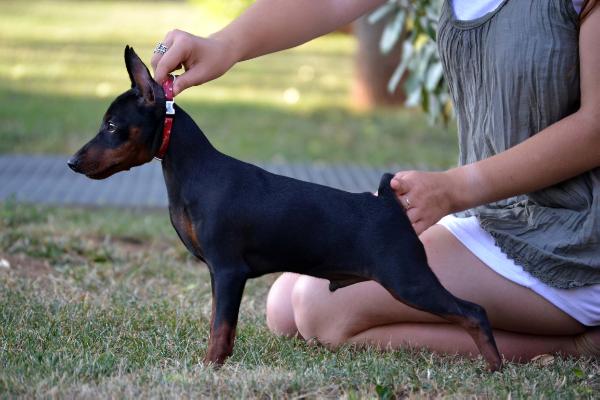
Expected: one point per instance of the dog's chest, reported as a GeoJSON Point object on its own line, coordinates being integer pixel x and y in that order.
{"type": "Point", "coordinates": [187, 229]}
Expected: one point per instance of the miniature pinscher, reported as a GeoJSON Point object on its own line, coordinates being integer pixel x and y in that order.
{"type": "Point", "coordinates": [245, 222]}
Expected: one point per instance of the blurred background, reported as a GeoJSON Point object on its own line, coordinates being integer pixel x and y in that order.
{"type": "Point", "coordinates": [62, 64]}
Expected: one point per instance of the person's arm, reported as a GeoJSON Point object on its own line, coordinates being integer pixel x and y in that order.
{"type": "Point", "coordinates": [268, 26]}
{"type": "Point", "coordinates": [265, 27]}
{"type": "Point", "coordinates": [561, 151]}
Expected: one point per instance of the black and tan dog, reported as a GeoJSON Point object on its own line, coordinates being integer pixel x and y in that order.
{"type": "Point", "coordinates": [245, 222]}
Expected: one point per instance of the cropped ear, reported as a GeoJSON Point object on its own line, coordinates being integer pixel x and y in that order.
{"type": "Point", "coordinates": [139, 75]}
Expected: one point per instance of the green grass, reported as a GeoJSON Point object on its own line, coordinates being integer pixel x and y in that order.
{"type": "Point", "coordinates": [63, 64]}
{"type": "Point", "coordinates": [108, 304]}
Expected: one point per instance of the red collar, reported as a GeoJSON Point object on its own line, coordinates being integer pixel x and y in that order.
{"type": "Point", "coordinates": [170, 111]}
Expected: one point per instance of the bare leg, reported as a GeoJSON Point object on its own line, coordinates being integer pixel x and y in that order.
{"type": "Point", "coordinates": [280, 312]}
{"type": "Point", "coordinates": [452, 339]}
{"type": "Point", "coordinates": [525, 324]}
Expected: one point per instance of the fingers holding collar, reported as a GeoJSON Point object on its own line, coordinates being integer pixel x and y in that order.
{"type": "Point", "coordinates": [163, 63]}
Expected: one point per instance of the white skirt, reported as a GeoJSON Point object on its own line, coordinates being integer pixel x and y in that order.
{"type": "Point", "coordinates": [582, 304]}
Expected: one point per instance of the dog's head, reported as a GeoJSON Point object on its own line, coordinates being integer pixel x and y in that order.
{"type": "Point", "coordinates": [131, 130]}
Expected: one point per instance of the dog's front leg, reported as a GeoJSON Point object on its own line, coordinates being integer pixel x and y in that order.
{"type": "Point", "coordinates": [227, 290]}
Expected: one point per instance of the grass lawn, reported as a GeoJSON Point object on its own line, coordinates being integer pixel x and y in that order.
{"type": "Point", "coordinates": [101, 303]}
{"type": "Point", "coordinates": [63, 64]}
{"type": "Point", "coordinates": [105, 303]}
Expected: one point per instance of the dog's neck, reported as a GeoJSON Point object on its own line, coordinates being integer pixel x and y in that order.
{"type": "Point", "coordinates": [189, 152]}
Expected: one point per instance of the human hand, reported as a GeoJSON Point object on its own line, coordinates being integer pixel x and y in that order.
{"type": "Point", "coordinates": [426, 196]}
{"type": "Point", "coordinates": [203, 59]}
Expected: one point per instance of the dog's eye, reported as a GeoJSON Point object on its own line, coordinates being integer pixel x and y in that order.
{"type": "Point", "coordinates": [110, 127]}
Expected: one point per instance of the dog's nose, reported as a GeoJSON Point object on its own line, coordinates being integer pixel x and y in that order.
{"type": "Point", "coordinates": [72, 163]}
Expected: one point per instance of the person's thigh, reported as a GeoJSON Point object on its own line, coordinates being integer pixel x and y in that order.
{"type": "Point", "coordinates": [510, 306]}
{"type": "Point", "coordinates": [356, 308]}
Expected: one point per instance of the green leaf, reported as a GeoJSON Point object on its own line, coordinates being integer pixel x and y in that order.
{"type": "Point", "coordinates": [407, 50]}
{"type": "Point", "coordinates": [412, 83]}
{"type": "Point", "coordinates": [578, 373]}
{"type": "Point", "coordinates": [413, 99]}
{"type": "Point", "coordinates": [435, 107]}
{"type": "Point", "coordinates": [381, 12]}
{"type": "Point", "coordinates": [434, 75]}
{"type": "Point", "coordinates": [420, 61]}
{"type": "Point", "coordinates": [392, 32]}
{"type": "Point", "coordinates": [384, 392]}
{"type": "Point", "coordinates": [431, 31]}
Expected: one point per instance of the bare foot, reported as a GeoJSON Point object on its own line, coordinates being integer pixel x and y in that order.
{"type": "Point", "coordinates": [588, 343]}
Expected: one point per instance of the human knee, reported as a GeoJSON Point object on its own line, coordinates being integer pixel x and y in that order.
{"type": "Point", "coordinates": [280, 314]}
{"type": "Point", "coordinates": [313, 312]}
{"type": "Point", "coordinates": [306, 307]}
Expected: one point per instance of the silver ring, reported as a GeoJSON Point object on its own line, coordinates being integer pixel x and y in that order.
{"type": "Point", "coordinates": [407, 202]}
{"type": "Point", "coordinates": [160, 48]}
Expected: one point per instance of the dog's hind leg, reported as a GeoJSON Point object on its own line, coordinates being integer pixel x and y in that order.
{"type": "Point", "coordinates": [418, 287]}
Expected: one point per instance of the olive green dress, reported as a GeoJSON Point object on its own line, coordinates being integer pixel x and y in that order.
{"type": "Point", "coordinates": [512, 73]}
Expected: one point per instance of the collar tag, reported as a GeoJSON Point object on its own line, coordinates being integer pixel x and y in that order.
{"type": "Point", "coordinates": [170, 108]}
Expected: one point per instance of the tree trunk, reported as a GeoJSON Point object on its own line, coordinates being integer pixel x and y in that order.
{"type": "Point", "coordinates": [374, 69]}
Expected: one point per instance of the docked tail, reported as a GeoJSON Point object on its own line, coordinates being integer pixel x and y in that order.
{"type": "Point", "coordinates": [385, 189]}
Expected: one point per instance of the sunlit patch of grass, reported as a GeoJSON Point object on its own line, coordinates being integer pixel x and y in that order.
{"type": "Point", "coordinates": [75, 49]}
{"type": "Point", "coordinates": [65, 65]}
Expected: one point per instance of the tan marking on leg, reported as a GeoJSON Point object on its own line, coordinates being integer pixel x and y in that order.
{"type": "Point", "coordinates": [220, 344]}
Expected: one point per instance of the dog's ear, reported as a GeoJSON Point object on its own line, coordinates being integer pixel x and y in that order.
{"type": "Point", "coordinates": [139, 75]}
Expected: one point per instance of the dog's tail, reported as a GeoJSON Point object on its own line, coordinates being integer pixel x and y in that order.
{"type": "Point", "coordinates": [385, 189]}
